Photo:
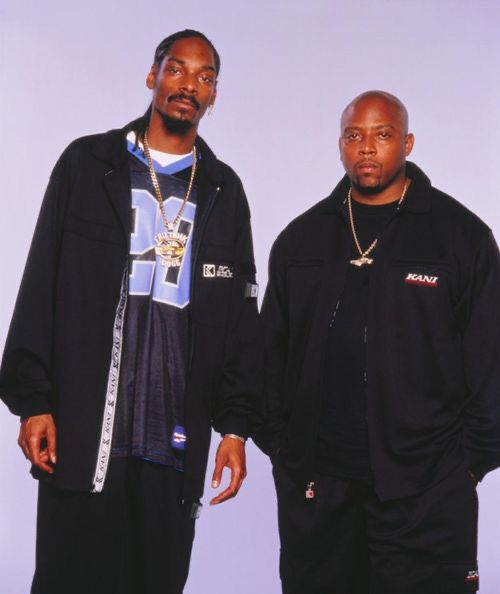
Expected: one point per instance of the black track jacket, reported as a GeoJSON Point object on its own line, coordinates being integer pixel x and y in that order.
{"type": "Point", "coordinates": [64, 342]}
{"type": "Point", "coordinates": [433, 350]}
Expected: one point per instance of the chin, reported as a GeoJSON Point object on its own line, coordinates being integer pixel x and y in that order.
{"type": "Point", "coordinates": [177, 123]}
{"type": "Point", "coordinates": [365, 187]}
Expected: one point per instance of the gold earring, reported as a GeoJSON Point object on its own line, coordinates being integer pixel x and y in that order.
{"type": "Point", "coordinates": [210, 109]}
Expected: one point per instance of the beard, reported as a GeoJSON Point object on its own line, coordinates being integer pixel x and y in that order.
{"type": "Point", "coordinates": [174, 125]}
{"type": "Point", "coordinates": [367, 190]}
{"type": "Point", "coordinates": [380, 187]}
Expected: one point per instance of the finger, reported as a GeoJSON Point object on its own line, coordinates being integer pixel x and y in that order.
{"type": "Point", "coordinates": [35, 454]}
{"type": "Point", "coordinates": [24, 447]}
{"type": "Point", "coordinates": [51, 443]}
{"type": "Point", "coordinates": [228, 493]}
{"type": "Point", "coordinates": [237, 476]}
{"type": "Point", "coordinates": [217, 475]}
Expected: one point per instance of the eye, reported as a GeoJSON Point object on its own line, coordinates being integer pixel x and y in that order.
{"type": "Point", "coordinates": [384, 135]}
{"type": "Point", "coordinates": [173, 70]}
{"type": "Point", "coordinates": [351, 136]}
{"type": "Point", "coordinates": [206, 79]}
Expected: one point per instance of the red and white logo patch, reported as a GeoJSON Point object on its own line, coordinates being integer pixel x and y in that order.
{"type": "Point", "coordinates": [422, 279]}
{"type": "Point", "coordinates": [472, 576]}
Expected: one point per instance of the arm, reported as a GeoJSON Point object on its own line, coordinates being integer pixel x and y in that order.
{"type": "Point", "coordinates": [481, 355]}
{"type": "Point", "coordinates": [275, 326]}
{"type": "Point", "coordinates": [236, 406]}
{"type": "Point", "coordinates": [25, 374]}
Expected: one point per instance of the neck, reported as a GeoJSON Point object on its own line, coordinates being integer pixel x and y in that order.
{"type": "Point", "coordinates": [392, 193]}
{"type": "Point", "coordinates": [160, 139]}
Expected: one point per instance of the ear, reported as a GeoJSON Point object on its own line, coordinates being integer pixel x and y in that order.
{"type": "Point", "coordinates": [409, 142]}
{"type": "Point", "coordinates": [151, 77]}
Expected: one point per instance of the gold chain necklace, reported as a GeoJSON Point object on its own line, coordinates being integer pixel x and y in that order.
{"type": "Point", "coordinates": [170, 245]}
{"type": "Point", "coordinates": [363, 255]}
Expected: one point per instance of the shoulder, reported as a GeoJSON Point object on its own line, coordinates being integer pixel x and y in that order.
{"type": "Point", "coordinates": [455, 215]}
{"type": "Point", "coordinates": [308, 224]}
{"type": "Point", "coordinates": [218, 171]}
{"type": "Point", "coordinates": [103, 146]}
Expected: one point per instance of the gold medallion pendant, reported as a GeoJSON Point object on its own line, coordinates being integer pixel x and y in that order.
{"type": "Point", "coordinates": [361, 261]}
{"type": "Point", "coordinates": [170, 247]}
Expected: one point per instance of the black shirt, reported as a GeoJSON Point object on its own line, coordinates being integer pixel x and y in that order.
{"type": "Point", "coordinates": [343, 434]}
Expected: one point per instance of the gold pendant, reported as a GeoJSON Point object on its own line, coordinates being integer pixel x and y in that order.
{"type": "Point", "coordinates": [170, 247]}
{"type": "Point", "coordinates": [362, 261]}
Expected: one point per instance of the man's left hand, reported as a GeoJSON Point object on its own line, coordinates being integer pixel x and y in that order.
{"type": "Point", "coordinates": [230, 453]}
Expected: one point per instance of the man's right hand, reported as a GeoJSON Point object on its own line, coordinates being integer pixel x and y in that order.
{"type": "Point", "coordinates": [36, 432]}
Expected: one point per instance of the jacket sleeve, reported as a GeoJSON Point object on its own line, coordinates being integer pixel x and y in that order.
{"type": "Point", "coordinates": [274, 316]}
{"type": "Point", "coordinates": [26, 370]}
{"type": "Point", "coordinates": [481, 355]}
{"type": "Point", "coordinates": [236, 408]}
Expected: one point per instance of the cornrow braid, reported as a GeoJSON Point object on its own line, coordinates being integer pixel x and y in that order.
{"type": "Point", "coordinates": [165, 45]}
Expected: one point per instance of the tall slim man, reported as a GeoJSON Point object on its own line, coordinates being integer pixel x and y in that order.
{"type": "Point", "coordinates": [383, 374]}
{"type": "Point", "coordinates": [133, 334]}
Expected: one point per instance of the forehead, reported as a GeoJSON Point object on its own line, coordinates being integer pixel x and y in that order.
{"type": "Point", "coordinates": [371, 112]}
{"type": "Point", "coordinates": [192, 49]}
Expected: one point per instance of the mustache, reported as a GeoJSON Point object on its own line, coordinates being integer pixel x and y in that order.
{"type": "Point", "coordinates": [185, 97]}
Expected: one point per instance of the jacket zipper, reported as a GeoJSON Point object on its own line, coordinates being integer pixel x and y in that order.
{"type": "Point", "coordinates": [105, 441]}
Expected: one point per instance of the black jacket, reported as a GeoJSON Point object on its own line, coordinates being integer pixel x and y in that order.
{"type": "Point", "coordinates": [433, 351]}
{"type": "Point", "coordinates": [65, 337]}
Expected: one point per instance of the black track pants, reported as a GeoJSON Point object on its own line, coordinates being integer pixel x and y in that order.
{"type": "Point", "coordinates": [133, 538]}
{"type": "Point", "coordinates": [345, 541]}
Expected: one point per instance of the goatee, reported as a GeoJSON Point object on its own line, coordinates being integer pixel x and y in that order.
{"type": "Point", "coordinates": [173, 125]}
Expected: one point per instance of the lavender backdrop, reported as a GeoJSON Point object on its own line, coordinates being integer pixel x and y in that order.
{"type": "Point", "coordinates": [289, 67]}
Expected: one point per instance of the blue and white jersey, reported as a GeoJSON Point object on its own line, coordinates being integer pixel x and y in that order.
{"type": "Point", "coordinates": [149, 419]}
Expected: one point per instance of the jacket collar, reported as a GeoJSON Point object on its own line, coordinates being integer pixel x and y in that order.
{"type": "Point", "coordinates": [112, 149]}
{"type": "Point", "coordinates": [418, 197]}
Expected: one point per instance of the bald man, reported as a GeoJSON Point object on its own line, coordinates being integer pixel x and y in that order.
{"type": "Point", "coordinates": [383, 374]}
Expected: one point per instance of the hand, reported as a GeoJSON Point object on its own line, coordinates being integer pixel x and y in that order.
{"type": "Point", "coordinates": [230, 453]}
{"type": "Point", "coordinates": [34, 431]}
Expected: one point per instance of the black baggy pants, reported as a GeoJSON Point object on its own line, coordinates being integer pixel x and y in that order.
{"type": "Point", "coordinates": [133, 538]}
{"type": "Point", "coordinates": [344, 540]}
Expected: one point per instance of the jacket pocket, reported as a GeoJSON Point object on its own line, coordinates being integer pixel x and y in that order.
{"type": "Point", "coordinates": [459, 577]}
{"type": "Point", "coordinates": [93, 230]}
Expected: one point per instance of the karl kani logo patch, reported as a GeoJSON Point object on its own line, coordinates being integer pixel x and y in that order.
{"type": "Point", "coordinates": [472, 576]}
{"type": "Point", "coordinates": [217, 271]}
{"type": "Point", "coordinates": [422, 279]}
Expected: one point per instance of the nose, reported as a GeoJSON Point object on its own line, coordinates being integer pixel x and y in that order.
{"type": "Point", "coordinates": [189, 84]}
{"type": "Point", "coordinates": [367, 147]}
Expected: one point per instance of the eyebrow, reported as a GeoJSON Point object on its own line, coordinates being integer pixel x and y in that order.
{"type": "Point", "coordinates": [183, 63]}
{"type": "Point", "coordinates": [378, 127]}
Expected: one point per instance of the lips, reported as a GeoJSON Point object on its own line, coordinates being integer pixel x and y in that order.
{"type": "Point", "coordinates": [367, 167]}
{"type": "Point", "coordinates": [184, 102]}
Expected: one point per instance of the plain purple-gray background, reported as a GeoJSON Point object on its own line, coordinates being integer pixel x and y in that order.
{"type": "Point", "coordinates": [288, 69]}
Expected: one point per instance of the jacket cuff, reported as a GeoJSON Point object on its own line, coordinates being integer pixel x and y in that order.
{"type": "Point", "coordinates": [476, 465]}
{"type": "Point", "coordinates": [232, 423]}
{"type": "Point", "coordinates": [30, 406]}
{"type": "Point", "coordinates": [477, 471]}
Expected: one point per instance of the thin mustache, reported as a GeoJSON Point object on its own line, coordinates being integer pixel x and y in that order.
{"type": "Point", "coordinates": [192, 100]}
